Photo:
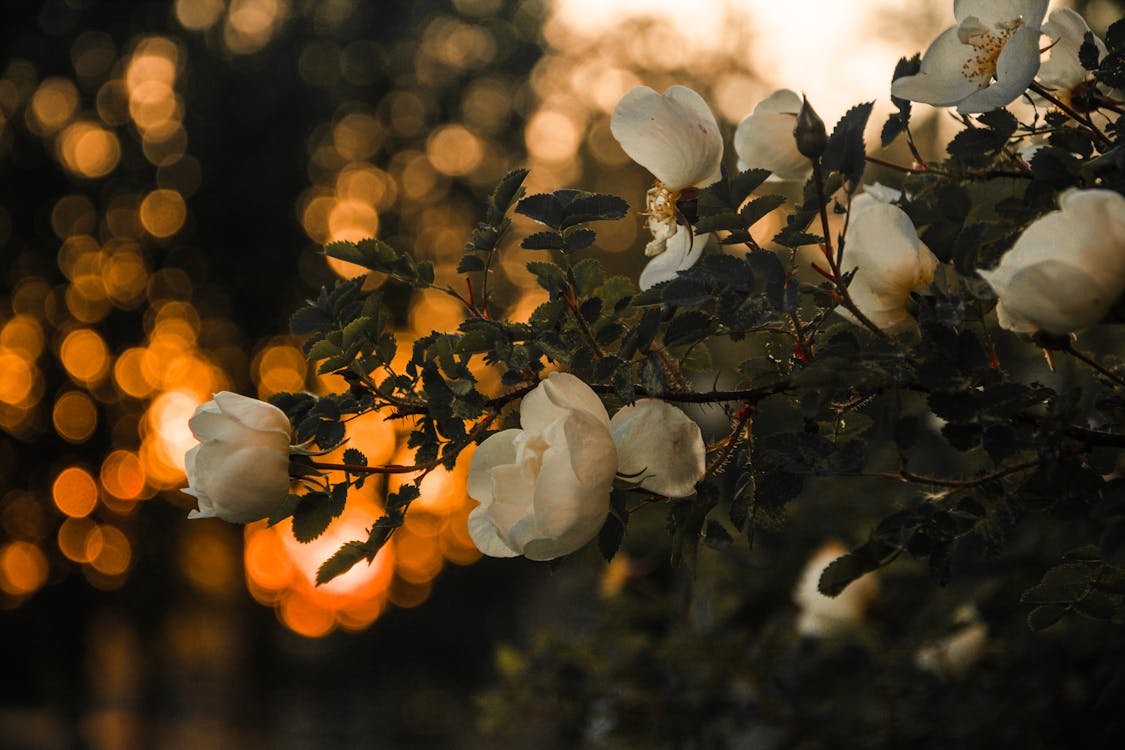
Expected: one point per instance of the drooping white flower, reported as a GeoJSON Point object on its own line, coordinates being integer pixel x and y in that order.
{"type": "Point", "coordinates": [1067, 269]}
{"type": "Point", "coordinates": [675, 137]}
{"type": "Point", "coordinates": [882, 243]}
{"type": "Point", "coordinates": [764, 139]}
{"type": "Point", "coordinates": [984, 62]}
{"type": "Point", "coordinates": [240, 470]}
{"type": "Point", "coordinates": [953, 656]}
{"type": "Point", "coordinates": [544, 489]}
{"type": "Point", "coordinates": [826, 616]}
{"type": "Point", "coordinates": [1062, 72]}
{"type": "Point", "coordinates": [659, 448]}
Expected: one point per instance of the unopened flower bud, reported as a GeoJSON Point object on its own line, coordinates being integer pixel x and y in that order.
{"type": "Point", "coordinates": [809, 131]}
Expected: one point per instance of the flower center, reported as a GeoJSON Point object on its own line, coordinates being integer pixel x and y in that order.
{"type": "Point", "coordinates": [530, 447]}
{"type": "Point", "coordinates": [987, 44]}
{"type": "Point", "coordinates": [660, 208]}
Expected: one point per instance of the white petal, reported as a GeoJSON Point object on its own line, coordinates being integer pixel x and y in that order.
{"type": "Point", "coordinates": [253, 413]}
{"type": "Point", "coordinates": [1051, 295]}
{"type": "Point", "coordinates": [1015, 70]}
{"type": "Point", "coordinates": [940, 81]}
{"type": "Point", "coordinates": [824, 615]}
{"type": "Point", "coordinates": [882, 243]}
{"type": "Point", "coordinates": [567, 391]}
{"type": "Point", "coordinates": [497, 450]}
{"type": "Point", "coordinates": [658, 447]}
{"type": "Point", "coordinates": [590, 445]}
{"type": "Point", "coordinates": [673, 135]}
{"type": "Point", "coordinates": [485, 536]}
{"type": "Point", "coordinates": [1067, 30]}
{"type": "Point", "coordinates": [681, 253]}
{"type": "Point", "coordinates": [764, 139]}
{"type": "Point", "coordinates": [993, 11]}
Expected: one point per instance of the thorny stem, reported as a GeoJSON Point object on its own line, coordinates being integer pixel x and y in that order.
{"type": "Point", "coordinates": [1093, 363]}
{"type": "Point", "coordinates": [907, 476]}
{"type": "Point", "coordinates": [732, 441]}
{"type": "Point", "coordinates": [1072, 113]}
{"type": "Point", "coordinates": [982, 173]}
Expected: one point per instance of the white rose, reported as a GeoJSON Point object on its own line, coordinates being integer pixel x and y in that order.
{"type": "Point", "coordinates": [1067, 269]}
{"type": "Point", "coordinates": [659, 448]}
{"type": "Point", "coordinates": [987, 60]}
{"type": "Point", "coordinates": [1063, 72]}
{"type": "Point", "coordinates": [826, 616]}
{"type": "Point", "coordinates": [764, 139]}
{"type": "Point", "coordinates": [882, 243]}
{"type": "Point", "coordinates": [240, 470]}
{"type": "Point", "coordinates": [674, 136]}
{"type": "Point", "coordinates": [544, 489]}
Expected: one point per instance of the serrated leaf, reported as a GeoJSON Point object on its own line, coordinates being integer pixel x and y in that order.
{"type": "Point", "coordinates": [688, 327]}
{"type": "Point", "coordinates": [343, 560]}
{"type": "Point", "coordinates": [543, 208]}
{"type": "Point", "coordinates": [588, 207]}
{"type": "Point", "coordinates": [1044, 617]}
{"type": "Point", "coordinates": [308, 320]}
{"type": "Point", "coordinates": [758, 208]}
{"type": "Point", "coordinates": [579, 239]}
{"type": "Point", "coordinates": [311, 517]}
{"type": "Point", "coordinates": [543, 241]}
{"type": "Point", "coordinates": [846, 152]}
{"type": "Point", "coordinates": [507, 191]}
{"type": "Point", "coordinates": [470, 262]}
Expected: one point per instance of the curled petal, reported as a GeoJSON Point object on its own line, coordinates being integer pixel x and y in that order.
{"type": "Point", "coordinates": [486, 536]}
{"type": "Point", "coordinates": [673, 135]}
{"type": "Point", "coordinates": [255, 414]}
{"type": "Point", "coordinates": [499, 449]}
{"type": "Point", "coordinates": [681, 253]}
{"type": "Point", "coordinates": [1067, 30]}
{"type": "Point", "coordinates": [555, 398]}
{"type": "Point", "coordinates": [1051, 295]}
{"type": "Point", "coordinates": [659, 448]}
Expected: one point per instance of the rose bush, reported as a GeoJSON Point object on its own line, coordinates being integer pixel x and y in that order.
{"type": "Point", "coordinates": [239, 472]}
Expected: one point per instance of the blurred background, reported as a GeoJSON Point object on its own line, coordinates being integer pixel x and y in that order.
{"type": "Point", "coordinates": [168, 172]}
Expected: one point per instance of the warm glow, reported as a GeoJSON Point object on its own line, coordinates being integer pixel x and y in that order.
{"type": "Point", "coordinates": [75, 492]}
{"type": "Point", "coordinates": [23, 335]}
{"type": "Point", "coordinates": [23, 568]}
{"type": "Point", "coordinates": [281, 368]}
{"type": "Point", "coordinates": [251, 24]}
{"type": "Point", "coordinates": [552, 136]}
{"type": "Point", "coordinates": [163, 212]}
{"type": "Point", "coordinates": [78, 538]}
{"type": "Point", "coordinates": [84, 355]}
{"type": "Point", "coordinates": [18, 379]}
{"type": "Point", "coordinates": [280, 571]}
{"type": "Point", "coordinates": [75, 417]}
{"type": "Point", "coordinates": [129, 374]}
{"type": "Point", "coordinates": [352, 220]}
{"type": "Point", "coordinates": [168, 437]}
{"type": "Point", "coordinates": [52, 105]}
{"type": "Point", "coordinates": [89, 150]}
{"type": "Point", "coordinates": [111, 553]}
{"type": "Point", "coordinates": [454, 151]}
{"type": "Point", "coordinates": [198, 15]}
{"type": "Point", "coordinates": [122, 475]}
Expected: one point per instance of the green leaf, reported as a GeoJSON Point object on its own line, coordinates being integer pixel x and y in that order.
{"type": "Point", "coordinates": [544, 208]}
{"type": "Point", "coordinates": [688, 327]}
{"type": "Point", "coordinates": [543, 241]}
{"type": "Point", "coordinates": [758, 208]}
{"type": "Point", "coordinates": [312, 515]}
{"type": "Point", "coordinates": [470, 262]}
{"type": "Point", "coordinates": [846, 152]}
{"type": "Point", "coordinates": [507, 192]}
{"type": "Point", "coordinates": [343, 560]}
{"type": "Point", "coordinates": [578, 239]}
{"type": "Point", "coordinates": [587, 207]}
{"type": "Point", "coordinates": [1044, 617]}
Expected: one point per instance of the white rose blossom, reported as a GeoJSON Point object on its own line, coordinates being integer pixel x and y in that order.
{"type": "Point", "coordinates": [675, 137]}
{"type": "Point", "coordinates": [882, 243]}
{"type": "Point", "coordinates": [827, 616]}
{"type": "Point", "coordinates": [1067, 269]}
{"type": "Point", "coordinates": [544, 488]}
{"type": "Point", "coordinates": [1063, 72]}
{"type": "Point", "coordinates": [984, 62]}
{"type": "Point", "coordinates": [954, 656]}
{"type": "Point", "coordinates": [764, 139]}
{"type": "Point", "coordinates": [239, 472]}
